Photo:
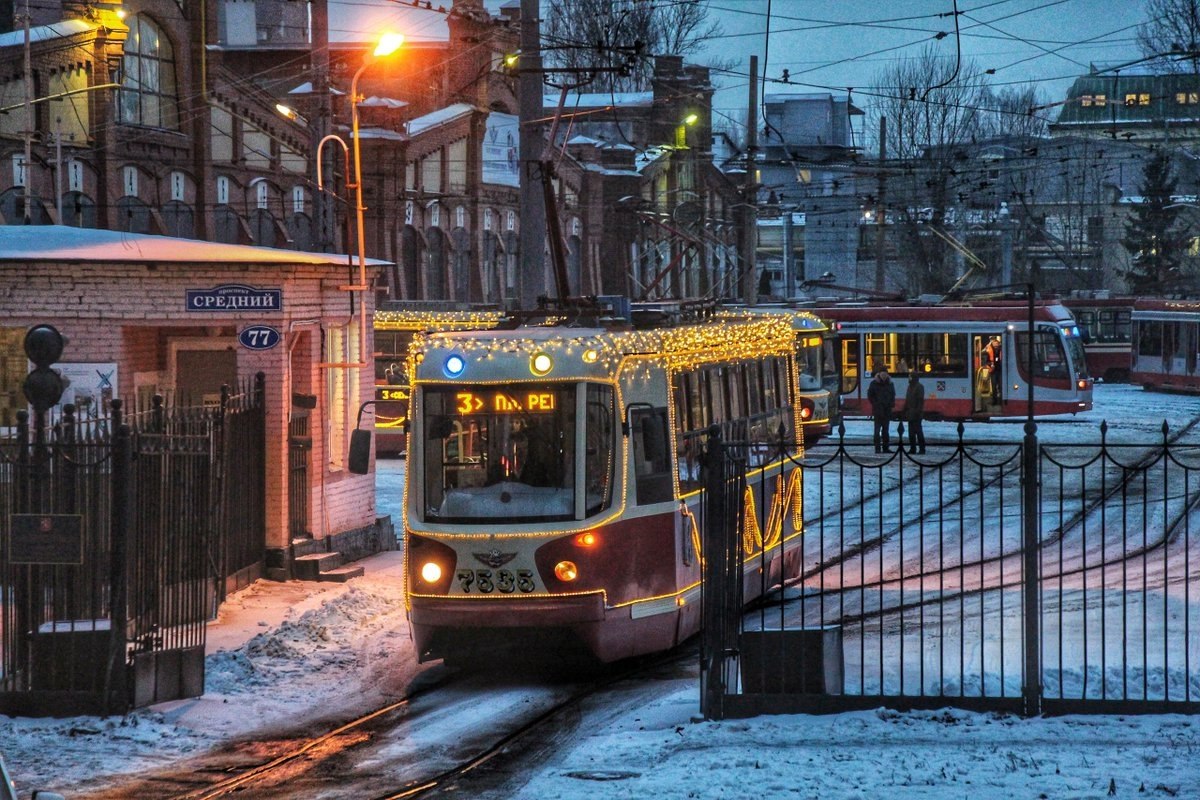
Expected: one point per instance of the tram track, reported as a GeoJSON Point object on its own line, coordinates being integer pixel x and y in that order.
{"type": "Point", "coordinates": [300, 764]}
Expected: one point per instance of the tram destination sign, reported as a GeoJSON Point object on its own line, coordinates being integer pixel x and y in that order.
{"type": "Point", "coordinates": [234, 297]}
{"type": "Point", "coordinates": [503, 402]}
{"type": "Point", "coordinates": [45, 539]}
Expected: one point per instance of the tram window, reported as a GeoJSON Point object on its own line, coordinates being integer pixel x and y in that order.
{"type": "Point", "coordinates": [1150, 339]}
{"type": "Point", "coordinates": [651, 456]}
{"type": "Point", "coordinates": [715, 395]}
{"type": "Point", "coordinates": [850, 364]}
{"type": "Point", "coordinates": [735, 385]}
{"type": "Point", "coordinates": [598, 460]}
{"type": "Point", "coordinates": [754, 388]}
{"type": "Point", "coordinates": [808, 362]}
{"type": "Point", "coordinates": [1049, 357]}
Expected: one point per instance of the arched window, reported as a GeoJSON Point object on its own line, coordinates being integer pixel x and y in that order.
{"type": "Point", "coordinates": [133, 215]}
{"type": "Point", "coordinates": [12, 208]}
{"type": "Point", "coordinates": [226, 225]}
{"type": "Point", "coordinates": [179, 219]}
{"type": "Point", "coordinates": [148, 90]}
{"type": "Point", "coordinates": [79, 210]}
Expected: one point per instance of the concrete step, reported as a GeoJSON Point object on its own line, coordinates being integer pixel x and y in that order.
{"type": "Point", "coordinates": [341, 574]}
{"type": "Point", "coordinates": [306, 545]}
{"type": "Point", "coordinates": [309, 567]}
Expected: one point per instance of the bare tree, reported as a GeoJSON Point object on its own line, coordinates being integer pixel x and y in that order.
{"type": "Point", "coordinates": [934, 108]}
{"type": "Point", "coordinates": [1171, 26]}
{"type": "Point", "coordinates": [618, 36]}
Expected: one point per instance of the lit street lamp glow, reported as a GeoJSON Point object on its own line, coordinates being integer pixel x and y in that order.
{"type": "Point", "coordinates": [388, 43]}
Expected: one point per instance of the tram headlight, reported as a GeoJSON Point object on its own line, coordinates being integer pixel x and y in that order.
{"type": "Point", "coordinates": [541, 364]}
{"type": "Point", "coordinates": [431, 572]}
{"type": "Point", "coordinates": [1082, 383]}
{"type": "Point", "coordinates": [454, 365]}
{"type": "Point", "coordinates": [590, 356]}
{"type": "Point", "coordinates": [566, 571]}
{"type": "Point", "coordinates": [805, 413]}
{"type": "Point", "coordinates": [588, 539]}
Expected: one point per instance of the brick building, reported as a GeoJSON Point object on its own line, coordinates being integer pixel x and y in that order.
{"type": "Point", "coordinates": [131, 307]}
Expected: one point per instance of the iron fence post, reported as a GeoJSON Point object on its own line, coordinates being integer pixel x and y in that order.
{"type": "Point", "coordinates": [121, 508]}
{"type": "Point", "coordinates": [1031, 689]}
{"type": "Point", "coordinates": [713, 574]}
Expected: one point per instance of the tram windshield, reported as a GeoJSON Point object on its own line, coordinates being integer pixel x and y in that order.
{"type": "Point", "coordinates": [1049, 355]}
{"type": "Point", "coordinates": [808, 362]}
{"type": "Point", "coordinates": [1077, 353]}
{"type": "Point", "coordinates": [508, 453]}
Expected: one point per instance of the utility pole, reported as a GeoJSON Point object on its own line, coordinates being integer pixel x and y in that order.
{"type": "Point", "coordinates": [750, 194]}
{"type": "Point", "coordinates": [27, 166]}
{"type": "Point", "coordinates": [322, 202]}
{"type": "Point", "coordinates": [880, 209]}
{"type": "Point", "coordinates": [531, 269]}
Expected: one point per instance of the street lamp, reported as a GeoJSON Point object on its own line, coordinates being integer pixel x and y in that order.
{"type": "Point", "coordinates": [388, 44]}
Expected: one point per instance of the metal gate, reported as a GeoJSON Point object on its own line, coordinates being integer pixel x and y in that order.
{"type": "Point", "coordinates": [1008, 575]}
{"type": "Point", "coordinates": [116, 537]}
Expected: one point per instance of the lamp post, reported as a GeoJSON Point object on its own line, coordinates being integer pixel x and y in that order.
{"type": "Point", "coordinates": [388, 44]}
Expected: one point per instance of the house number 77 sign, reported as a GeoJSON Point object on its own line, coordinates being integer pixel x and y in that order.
{"type": "Point", "coordinates": [258, 337]}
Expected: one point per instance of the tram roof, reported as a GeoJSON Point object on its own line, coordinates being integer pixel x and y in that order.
{"type": "Point", "coordinates": [1187, 310]}
{"type": "Point", "coordinates": [1052, 311]}
{"type": "Point", "coordinates": [726, 337]}
{"type": "Point", "coordinates": [436, 320]}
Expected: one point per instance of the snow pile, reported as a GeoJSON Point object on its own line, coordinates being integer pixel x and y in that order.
{"type": "Point", "coordinates": [318, 642]}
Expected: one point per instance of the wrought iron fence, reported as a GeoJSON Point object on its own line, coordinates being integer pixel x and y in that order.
{"type": "Point", "coordinates": [117, 537]}
{"type": "Point", "coordinates": [926, 577]}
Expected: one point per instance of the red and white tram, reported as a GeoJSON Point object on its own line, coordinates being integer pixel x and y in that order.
{"type": "Point", "coordinates": [947, 344]}
{"type": "Point", "coordinates": [1166, 341]}
{"type": "Point", "coordinates": [553, 482]}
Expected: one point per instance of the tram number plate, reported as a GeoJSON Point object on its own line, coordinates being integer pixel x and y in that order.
{"type": "Point", "coordinates": [486, 581]}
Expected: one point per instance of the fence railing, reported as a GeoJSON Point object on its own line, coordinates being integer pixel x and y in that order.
{"type": "Point", "coordinates": [1014, 575]}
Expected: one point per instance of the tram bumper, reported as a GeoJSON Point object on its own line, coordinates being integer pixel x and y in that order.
{"type": "Point", "coordinates": [514, 612]}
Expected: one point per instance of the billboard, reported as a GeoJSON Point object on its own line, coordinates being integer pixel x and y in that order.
{"type": "Point", "coordinates": [500, 144]}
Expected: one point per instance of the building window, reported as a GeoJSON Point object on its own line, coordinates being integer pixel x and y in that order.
{"type": "Point", "coordinates": [1143, 98]}
{"type": "Point", "coordinates": [1131, 99]}
{"type": "Point", "coordinates": [1187, 98]}
{"type": "Point", "coordinates": [148, 91]}
{"type": "Point", "coordinates": [178, 185]}
{"type": "Point", "coordinates": [223, 190]}
{"type": "Point", "coordinates": [131, 181]}
{"type": "Point", "coordinates": [221, 134]}
{"type": "Point", "coordinates": [297, 199]}
{"type": "Point", "coordinates": [261, 195]}
{"type": "Point", "coordinates": [1100, 99]}
{"type": "Point", "coordinates": [1085, 100]}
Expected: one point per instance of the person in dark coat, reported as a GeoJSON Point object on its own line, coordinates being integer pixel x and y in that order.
{"type": "Point", "coordinates": [914, 410]}
{"type": "Point", "coordinates": [882, 396]}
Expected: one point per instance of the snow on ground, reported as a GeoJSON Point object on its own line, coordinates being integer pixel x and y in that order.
{"type": "Point", "coordinates": [281, 653]}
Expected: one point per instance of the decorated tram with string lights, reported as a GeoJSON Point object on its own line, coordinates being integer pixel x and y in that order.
{"type": "Point", "coordinates": [553, 488]}
{"type": "Point", "coordinates": [395, 329]}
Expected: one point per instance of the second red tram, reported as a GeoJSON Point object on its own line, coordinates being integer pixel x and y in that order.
{"type": "Point", "coordinates": [1107, 331]}
{"type": "Point", "coordinates": [950, 347]}
{"type": "Point", "coordinates": [1166, 344]}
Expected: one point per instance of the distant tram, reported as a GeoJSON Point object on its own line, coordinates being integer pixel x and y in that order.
{"type": "Point", "coordinates": [818, 391]}
{"type": "Point", "coordinates": [394, 332]}
{"type": "Point", "coordinates": [947, 346]}
{"type": "Point", "coordinates": [554, 487]}
{"type": "Point", "coordinates": [1105, 323]}
{"type": "Point", "coordinates": [1166, 339]}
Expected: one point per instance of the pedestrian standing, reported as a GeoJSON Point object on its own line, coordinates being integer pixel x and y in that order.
{"type": "Point", "coordinates": [914, 410]}
{"type": "Point", "coordinates": [882, 396]}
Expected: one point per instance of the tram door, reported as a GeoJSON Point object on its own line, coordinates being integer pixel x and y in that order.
{"type": "Point", "coordinates": [987, 378]}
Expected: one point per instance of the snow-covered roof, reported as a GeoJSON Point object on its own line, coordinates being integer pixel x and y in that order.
{"type": "Point", "coordinates": [439, 117]}
{"type": "Point", "coordinates": [649, 156]}
{"type": "Point", "coordinates": [382, 102]}
{"type": "Point", "coordinates": [381, 133]}
{"type": "Point", "coordinates": [307, 88]}
{"type": "Point", "coordinates": [64, 243]}
{"type": "Point", "coordinates": [46, 33]}
{"type": "Point", "coordinates": [581, 139]}
{"type": "Point", "coordinates": [601, 100]}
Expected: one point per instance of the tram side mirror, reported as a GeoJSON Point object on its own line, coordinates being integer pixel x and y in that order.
{"type": "Point", "coordinates": [359, 462]}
